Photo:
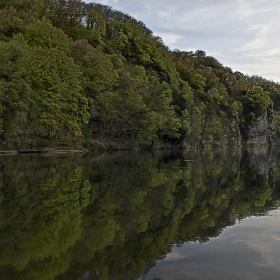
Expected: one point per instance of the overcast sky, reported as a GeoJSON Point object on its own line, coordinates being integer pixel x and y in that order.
{"type": "Point", "coordinates": [241, 34]}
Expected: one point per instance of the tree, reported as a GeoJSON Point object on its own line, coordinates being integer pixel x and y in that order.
{"type": "Point", "coordinates": [41, 93]}
{"type": "Point", "coordinates": [255, 102]}
{"type": "Point", "coordinates": [10, 23]}
{"type": "Point", "coordinates": [55, 100]}
{"type": "Point", "coordinates": [42, 34]}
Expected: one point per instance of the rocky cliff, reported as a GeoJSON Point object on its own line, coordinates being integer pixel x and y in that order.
{"type": "Point", "coordinates": [263, 130]}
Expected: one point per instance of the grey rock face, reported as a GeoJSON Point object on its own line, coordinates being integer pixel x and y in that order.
{"type": "Point", "coordinates": [236, 138]}
{"type": "Point", "coordinates": [263, 131]}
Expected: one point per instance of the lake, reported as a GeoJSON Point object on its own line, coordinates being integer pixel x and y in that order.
{"type": "Point", "coordinates": [162, 215]}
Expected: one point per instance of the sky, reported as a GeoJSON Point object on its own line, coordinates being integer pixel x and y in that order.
{"type": "Point", "coordinates": [241, 34]}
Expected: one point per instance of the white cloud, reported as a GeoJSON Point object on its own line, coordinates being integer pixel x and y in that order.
{"type": "Point", "coordinates": [169, 38]}
{"type": "Point", "coordinates": [105, 2]}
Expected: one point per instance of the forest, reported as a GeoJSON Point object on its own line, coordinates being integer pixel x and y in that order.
{"type": "Point", "coordinates": [83, 75]}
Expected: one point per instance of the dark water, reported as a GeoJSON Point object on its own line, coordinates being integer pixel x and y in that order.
{"type": "Point", "coordinates": [135, 215]}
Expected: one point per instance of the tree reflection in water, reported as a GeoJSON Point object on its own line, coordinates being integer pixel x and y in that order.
{"type": "Point", "coordinates": [110, 216]}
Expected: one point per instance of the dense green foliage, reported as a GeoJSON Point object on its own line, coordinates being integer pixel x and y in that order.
{"type": "Point", "coordinates": [76, 74]}
{"type": "Point", "coordinates": [111, 215]}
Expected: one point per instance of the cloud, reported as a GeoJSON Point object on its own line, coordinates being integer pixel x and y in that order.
{"type": "Point", "coordinates": [169, 38]}
{"type": "Point", "coordinates": [105, 2]}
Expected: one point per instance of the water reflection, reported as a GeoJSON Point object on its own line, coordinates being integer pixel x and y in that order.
{"type": "Point", "coordinates": [41, 204]}
{"type": "Point", "coordinates": [247, 250]}
{"type": "Point", "coordinates": [112, 216]}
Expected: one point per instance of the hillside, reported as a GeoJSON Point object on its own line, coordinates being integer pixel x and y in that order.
{"type": "Point", "coordinates": [74, 74]}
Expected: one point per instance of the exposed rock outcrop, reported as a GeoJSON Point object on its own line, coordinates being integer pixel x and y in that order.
{"type": "Point", "coordinates": [263, 131]}
{"type": "Point", "coordinates": [236, 137]}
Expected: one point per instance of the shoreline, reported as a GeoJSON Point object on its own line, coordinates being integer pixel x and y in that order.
{"type": "Point", "coordinates": [18, 152]}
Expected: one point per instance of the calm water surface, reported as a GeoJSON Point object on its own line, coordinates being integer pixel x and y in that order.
{"type": "Point", "coordinates": [209, 215]}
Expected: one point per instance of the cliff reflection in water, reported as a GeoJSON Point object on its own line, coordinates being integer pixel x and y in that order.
{"type": "Point", "coordinates": [111, 216]}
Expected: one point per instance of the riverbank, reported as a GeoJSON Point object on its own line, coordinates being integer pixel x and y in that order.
{"type": "Point", "coordinates": [44, 151]}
